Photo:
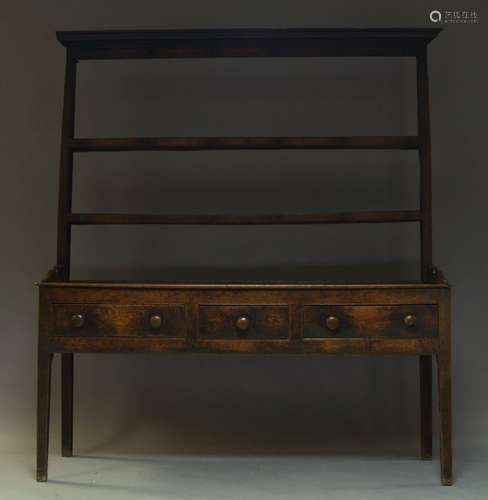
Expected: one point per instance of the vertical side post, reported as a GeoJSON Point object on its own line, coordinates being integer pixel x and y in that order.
{"type": "Point", "coordinates": [425, 362]}
{"type": "Point", "coordinates": [66, 168]}
{"type": "Point", "coordinates": [423, 119]}
{"type": "Point", "coordinates": [64, 242]}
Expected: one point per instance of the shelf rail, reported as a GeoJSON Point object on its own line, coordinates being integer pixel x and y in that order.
{"type": "Point", "coordinates": [238, 143]}
{"type": "Point", "coordinates": [245, 219]}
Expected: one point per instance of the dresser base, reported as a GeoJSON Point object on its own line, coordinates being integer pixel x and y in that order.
{"type": "Point", "coordinates": [301, 318]}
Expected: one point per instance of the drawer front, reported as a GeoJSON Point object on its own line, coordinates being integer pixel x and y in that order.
{"type": "Point", "coordinates": [243, 322]}
{"type": "Point", "coordinates": [403, 321]}
{"type": "Point", "coordinates": [114, 320]}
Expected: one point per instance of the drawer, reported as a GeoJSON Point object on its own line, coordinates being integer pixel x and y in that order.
{"type": "Point", "coordinates": [402, 321]}
{"type": "Point", "coordinates": [243, 322]}
{"type": "Point", "coordinates": [114, 320]}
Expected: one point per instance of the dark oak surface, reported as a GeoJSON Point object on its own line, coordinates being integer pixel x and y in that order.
{"type": "Point", "coordinates": [300, 317]}
{"type": "Point", "coordinates": [262, 322]}
{"type": "Point", "coordinates": [370, 321]}
{"type": "Point", "coordinates": [115, 320]}
{"type": "Point", "coordinates": [281, 317]}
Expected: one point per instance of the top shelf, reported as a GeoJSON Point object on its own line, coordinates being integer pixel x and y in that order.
{"type": "Point", "coordinates": [310, 42]}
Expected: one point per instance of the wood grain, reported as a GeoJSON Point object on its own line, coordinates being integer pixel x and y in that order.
{"type": "Point", "coordinates": [370, 321]}
{"type": "Point", "coordinates": [266, 322]}
{"type": "Point", "coordinates": [115, 320]}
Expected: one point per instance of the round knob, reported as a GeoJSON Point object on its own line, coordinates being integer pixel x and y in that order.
{"type": "Point", "coordinates": [243, 323]}
{"type": "Point", "coordinates": [155, 321]}
{"type": "Point", "coordinates": [410, 320]}
{"type": "Point", "coordinates": [332, 323]}
{"type": "Point", "coordinates": [77, 320]}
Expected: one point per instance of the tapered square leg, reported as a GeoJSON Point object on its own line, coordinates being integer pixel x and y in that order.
{"type": "Point", "coordinates": [43, 407]}
{"type": "Point", "coordinates": [67, 404]}
{"type": "Point", "coordinates": [445, 418]}
{"type": "Point", "coordinates": [444, 377]}
{"type": "Point", "coordinates": [425, 373]}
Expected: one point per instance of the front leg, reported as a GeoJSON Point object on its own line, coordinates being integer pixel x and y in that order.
{"type": "Point", "coordinates": [67, 404]}
{"type": "Point", "coordinates": [425, 374]}
{"type": "Point", "coordinates": [445, 425]}
{"type": "Point", "coordinates": [43, 406]}
{"type": "Point", "coordinates": [444, 380]}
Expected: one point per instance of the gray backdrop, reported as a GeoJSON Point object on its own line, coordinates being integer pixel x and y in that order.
{"type": "Point", "coordinates": [240, 405]}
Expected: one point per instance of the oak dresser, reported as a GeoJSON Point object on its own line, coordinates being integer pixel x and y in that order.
{"type": "Point", "coordinates": [404, 318]}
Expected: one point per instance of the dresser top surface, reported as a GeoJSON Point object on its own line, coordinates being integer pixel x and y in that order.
{"type": "Point", "coordinates": [243, 285]}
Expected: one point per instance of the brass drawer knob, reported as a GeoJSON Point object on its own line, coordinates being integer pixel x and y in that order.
{"type": "Point", "coordinates": [243, 323]}
{"type": "Point", "coordinates": [155, 321]}
{"type": "Point", "coordinates": [77, 320]}
{"type": "Point", "coordinates": [410, 320]}
{"type": "Point", "coordinates": [332, 323]}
